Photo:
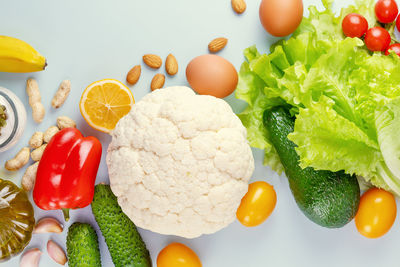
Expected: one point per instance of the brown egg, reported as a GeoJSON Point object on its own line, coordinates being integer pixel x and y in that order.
{"type": "Point", "coordinates": [212, 75]}
{"type": "Point", "coordinates": [281, 17]}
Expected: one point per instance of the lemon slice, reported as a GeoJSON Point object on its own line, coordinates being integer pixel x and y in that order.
{"type": "Point", "coordinates": [104, 103]}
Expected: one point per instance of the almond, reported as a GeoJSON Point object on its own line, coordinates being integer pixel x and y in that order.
{"type": "Point", "coordinates": [158, 81]}
{"type": "Point", "coordinates": [239, 6]}
{"type": "Point", "coordinates": [217, 44]}
{"type": "Point", "coordinates": [153, 61]}
{"type": "Point", "coordinates": [134, 74]}
{"type": "Point", "coordinates": [171, 65]}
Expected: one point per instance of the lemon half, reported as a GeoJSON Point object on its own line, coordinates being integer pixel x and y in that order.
{"type": "Point", "coordinates": [104, 103]}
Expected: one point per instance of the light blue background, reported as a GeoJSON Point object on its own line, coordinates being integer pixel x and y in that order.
{"type": "Point", "coordinates": [89, 40]}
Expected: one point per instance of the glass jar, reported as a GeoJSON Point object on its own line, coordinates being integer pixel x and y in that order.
{"type": "Point", "coordinates": [16, 220]}
{"type": "Point", "coordinates": [16, 119]}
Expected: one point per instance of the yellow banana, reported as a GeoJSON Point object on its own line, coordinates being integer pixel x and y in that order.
{"type": "Point", "coordinates": [18, 56]}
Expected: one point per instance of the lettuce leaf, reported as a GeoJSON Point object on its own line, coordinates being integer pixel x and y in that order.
{"type": "Point", "coordinates": [328, 141]}
{"type": "Point", "coordinates": [345, 99]}
{"type": "Point", "coordinates": [258, 102]}
{"type": "Point", "coordinates": [388, 126]}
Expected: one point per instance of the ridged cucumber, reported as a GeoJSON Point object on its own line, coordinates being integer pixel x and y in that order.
{"type": "Point", "coordinates": [326, 198]}
{"type": "Point", "coordinates": [82, 246]}
{"type": "Point", "coordinates": [123, 240]}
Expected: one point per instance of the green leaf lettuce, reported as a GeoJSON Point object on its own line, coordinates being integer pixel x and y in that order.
{"type": "Point", "coordinates": [346, 100]}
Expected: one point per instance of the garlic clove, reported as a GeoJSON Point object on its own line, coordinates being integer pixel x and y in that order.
{"type": "Point", "coordinates": [56, 252]}
{"type": "Point", "coordinates": [48, 225]}
{"type": "Point", "coordinates": [30, 258]}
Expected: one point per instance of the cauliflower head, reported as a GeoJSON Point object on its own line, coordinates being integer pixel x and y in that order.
{"type": "Point", "coordinates": [179, 163]}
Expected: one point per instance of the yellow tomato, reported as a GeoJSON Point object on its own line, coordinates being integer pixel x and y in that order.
{"type": "Point", "coordinates": [177, 255]}
{"type": "Point", "coordinates": [257, 204]}
{"type": "Point", "coordinates": [376, 213]}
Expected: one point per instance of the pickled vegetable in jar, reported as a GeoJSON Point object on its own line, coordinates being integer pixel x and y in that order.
{"type": "Point", "coordinates": [3, 117]}
{"type": "Point", "coordinates": [16, 220]}
{"type": "Point", "coordinates": [12, 119]}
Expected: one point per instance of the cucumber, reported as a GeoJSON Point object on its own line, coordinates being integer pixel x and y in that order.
{"type": "Point", "coordinates": [123, 240]}
{"type": "Point", "coordinates": [82, 246]}
{"type": "Point", "coordinates": [327, 198]}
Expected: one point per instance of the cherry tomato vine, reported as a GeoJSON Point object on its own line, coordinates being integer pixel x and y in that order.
{"type": "Point", "coordinates": [376, 38]}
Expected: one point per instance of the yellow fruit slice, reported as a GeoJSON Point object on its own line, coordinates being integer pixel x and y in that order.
{"type": "Point", "coordinates": [104, 103]}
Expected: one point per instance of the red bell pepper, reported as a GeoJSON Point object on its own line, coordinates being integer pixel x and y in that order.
{"type": "Point", "coordinates": [67, 172]}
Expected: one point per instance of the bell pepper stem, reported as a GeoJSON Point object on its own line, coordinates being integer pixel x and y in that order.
{"type": "Point", "coordinates": [66, 214]}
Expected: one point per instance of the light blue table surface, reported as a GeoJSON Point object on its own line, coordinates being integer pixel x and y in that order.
{"type": "Point", "coordinates": [89, 40]}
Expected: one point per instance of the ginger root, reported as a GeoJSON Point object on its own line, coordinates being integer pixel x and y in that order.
{"type": "Point", "coordinates": [49, 133]}
{"type": "Point", "coordinates": [36, 140]}
{"type": "Point", "coordinates": [20, 160]}
{"type": "Point", "coordinates": [38, 111]}
{"type": "Point", "coordinates": [65, 122]}
{"type": "Point", "coordinates": [29, 178]}
{"type": "Point", "coordinates": [37, 154]}
{"type": "Point", "coordinates": [61, 94]}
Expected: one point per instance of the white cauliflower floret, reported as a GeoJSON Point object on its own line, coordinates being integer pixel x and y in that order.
{"type": "Point", "coordinates": [179, 163]}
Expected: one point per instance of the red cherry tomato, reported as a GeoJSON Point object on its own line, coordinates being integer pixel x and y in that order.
{"type": "Point", "coordinates": [386, 11]}
{"type": "Point", "coordinates": [398, 23]}
{"type": "Point", "coordinates": [395, 48]}
{"type": "Point", "coordinates": [377, 39]}
{"type": "Point", "coordinates": [354, 25]}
